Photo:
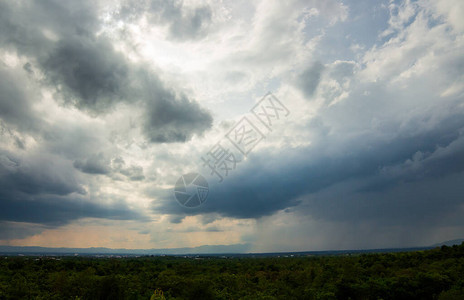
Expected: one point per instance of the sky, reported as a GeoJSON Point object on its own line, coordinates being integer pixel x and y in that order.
{"type": "Point", "coordinates": [104, 105]}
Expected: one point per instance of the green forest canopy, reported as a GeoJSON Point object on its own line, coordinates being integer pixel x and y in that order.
{"type": "Point", "coordinates": [430, 274]}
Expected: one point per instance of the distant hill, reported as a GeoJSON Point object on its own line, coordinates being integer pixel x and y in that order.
{"type": "Point", "coordinates": [234, 250]}
{"type": "Point", "coordinates": [449, 243]}
{"type": "Point", "coordinates": [206, 249]}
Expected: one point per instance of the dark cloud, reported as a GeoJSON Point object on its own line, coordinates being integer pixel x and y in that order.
{"type": "Point", "coordinates": [351, 179]}
{"type": "Point", "coordinates": [96, 164]}
{"type": "Point", "coordinates": [101, 164]}
{"type": "Point", "coordinates": [15, 101]}
{"type": "Point", "coordinates": [134, 173]}
{"type": "Point", "coordinates": [309, 79]}
{"type": "Point", "coordinates": [28, 68]}
{"type": "Point", "coordinates": [24, 27]}
{"type": "Point", "coordinates": [88, 73]}
{"type": "Point", "coordinates": [176, 219]}
{"type": "Point", "coordinates": [18, 230]}
{"type": "Point", "coordinates": [425, 202]}
{"type": "Point", "coordinates": [174, 119]}
{"type": "Point", "coordinates": [209, 218]}
{"type": "Point", "coordinates": [196, 229]}
{"type": "Point", "coordinates": [46, 191]}
{"type": "Point", "coordinates": [61, 44]}
{"type": "Point", "coordinates": [38, 175]}
{"type": "Point", "coordinates": [73, 141]}
{"type": "Point", "coordinates": [57, 211]}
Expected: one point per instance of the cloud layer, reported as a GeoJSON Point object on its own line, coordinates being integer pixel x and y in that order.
{"type": "Point", "coordinates": [104, 105]}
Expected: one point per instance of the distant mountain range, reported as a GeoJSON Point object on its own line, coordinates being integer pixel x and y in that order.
{"type": "Point", "coordinates": [238, 249]}
{"type": "Point", "coordinates": [449, 243]}
{"type": "Point", "coordinates": [206, 249]}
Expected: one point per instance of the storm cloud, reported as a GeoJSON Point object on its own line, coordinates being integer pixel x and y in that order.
{"type": "Point", "coordinates": [171, 119]}
{"type": "Point", "coordinates": [45, 190]}
{"type": "Point", "coordinates": [89, 74]}
{"type": "Point", "coordinates": [364, 168]}
{"type": "Point", "coordinates": [103, 106]}
{"type": "Point", "coordinates": [383, 152]}
{"type": "Point", "coordinates": [61, 53]}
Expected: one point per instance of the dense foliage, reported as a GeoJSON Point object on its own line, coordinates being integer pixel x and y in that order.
{"type": "Point", "coordinates": [431, 274]}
